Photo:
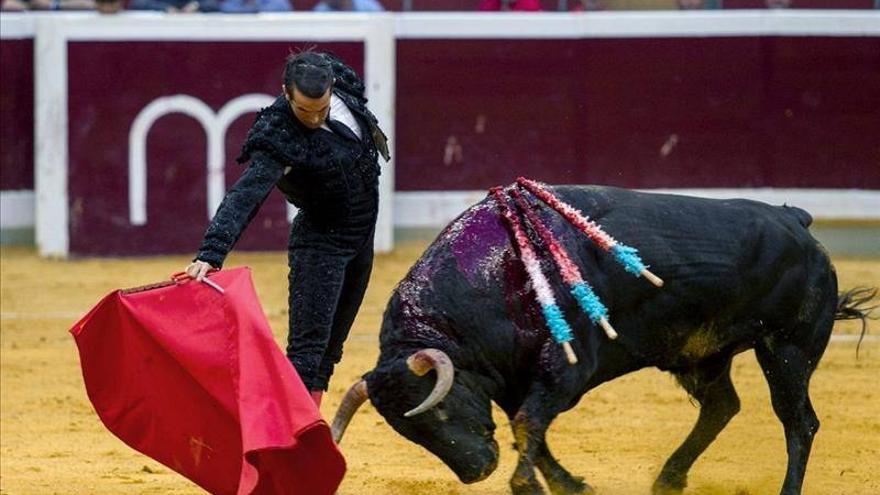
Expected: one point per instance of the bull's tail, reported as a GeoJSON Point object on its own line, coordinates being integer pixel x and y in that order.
{"type": "Point", "coordinates": [855, 304]}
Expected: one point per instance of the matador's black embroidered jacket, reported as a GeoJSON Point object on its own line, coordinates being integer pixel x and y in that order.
{"type": "Point", "coordinates": [331, 178]}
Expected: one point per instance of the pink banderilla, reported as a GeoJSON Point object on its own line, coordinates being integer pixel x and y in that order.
{"type": "Point", "coordinates": [625, 255]}
{"type": "Point", "coordinates": [571, 274]}
{"type": "Point", "coordinates": [559, 328]}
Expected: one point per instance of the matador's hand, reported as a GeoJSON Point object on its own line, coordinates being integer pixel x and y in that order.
{"type": "Point", "coordinates": [198, 269]}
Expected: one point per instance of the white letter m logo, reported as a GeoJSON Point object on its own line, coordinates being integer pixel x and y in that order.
{"type": "Point", "coordinates": [215, 126]}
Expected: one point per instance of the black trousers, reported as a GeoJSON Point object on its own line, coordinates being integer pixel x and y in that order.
{"type": "Point", "coordinates": [327, 281]}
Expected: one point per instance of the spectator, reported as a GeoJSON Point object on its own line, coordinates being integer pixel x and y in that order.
{"type": "Point", "coordinates": [640, 4]}
{"type": "Point", "coordinates": [349, 6]}
{"type": "Point", "coordinates": [691, 4]}
{"type": "Point", "coordinates": [254, 6]}
{"type": "Point", "coordinates": [510, 5]}
{"type": "Point", "coordinates": [23, 5]}
{"type": "Point", "coordinates": [175, 6]}
{"type": "Point", "coordinates": [108, 6]}
{"type": "Point", "coordinates": [585, 5]}
{"type": "Point", "coordinates": [14, 6]}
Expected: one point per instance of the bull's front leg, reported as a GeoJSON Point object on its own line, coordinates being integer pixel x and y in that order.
{"type": "Point", "coordinates": [560, 481]}
{"type": "Point", "coordinates": [529, 429]}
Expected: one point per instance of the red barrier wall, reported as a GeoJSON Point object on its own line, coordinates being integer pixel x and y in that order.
{"type": "Point", "coordinates": [16, 114]}
{"type": "Point", "coordinates": [109, 84]}
{"type": "Point", "coordinates": [648, 113]}
{"type": "Point", "coordinates": [696, 112]}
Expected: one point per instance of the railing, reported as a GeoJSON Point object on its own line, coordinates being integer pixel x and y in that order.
{"type": "Point", "coordinates": [624, 119]}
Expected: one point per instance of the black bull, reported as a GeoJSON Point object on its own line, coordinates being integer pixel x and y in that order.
{"type": "Point", "coordinates": [739, 275]}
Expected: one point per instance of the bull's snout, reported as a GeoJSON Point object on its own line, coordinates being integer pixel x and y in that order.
{"type": "Point", "coordinates": [479, 465]}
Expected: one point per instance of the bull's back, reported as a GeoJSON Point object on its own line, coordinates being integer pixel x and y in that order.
{"type": "Point", "coordinates": [718, 257]}
{"type": "Point", "coordinates": [734, 269]}
{"type": "Point", "coordinates": [696, 238]}
{"type": "Point", "coordinates": [687, 238]}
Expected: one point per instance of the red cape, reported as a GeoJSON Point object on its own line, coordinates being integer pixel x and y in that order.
{"type": "Point", "coordinates": [193, 378]}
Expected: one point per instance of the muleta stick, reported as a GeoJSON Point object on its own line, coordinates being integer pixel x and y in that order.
{"type": "Point", "coordinates": [587, 299]}
{"type": "Point", "coordinates": [625, 255]}
{"type": "Point", "coordinates": [213, 285]}
{"type": "Point", "coordinates": [559, 328]}
{"type": "Point", "coordinates": [183, 277]}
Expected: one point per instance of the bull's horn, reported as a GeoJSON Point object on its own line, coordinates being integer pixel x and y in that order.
{"type": "Point", "coordinates": [353, 399]}
{"type": "Point", "coordinates": [424, 361]}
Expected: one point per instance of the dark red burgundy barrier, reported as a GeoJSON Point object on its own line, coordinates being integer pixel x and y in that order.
{"type": "Point", "coordinates": [16, 114]}
{"type": "Point", "coordinates": [714, 112]}
{"type": "Point", "coordinates": [696, 112]}
{"type": "Point", "coordinates": [103, 105]}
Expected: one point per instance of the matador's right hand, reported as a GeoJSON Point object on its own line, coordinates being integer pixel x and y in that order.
{"type": "Point", "coordinates": [198, 269]}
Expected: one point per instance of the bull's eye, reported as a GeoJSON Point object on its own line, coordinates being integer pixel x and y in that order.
{"type": "Point", "coordinates": [441, 414]}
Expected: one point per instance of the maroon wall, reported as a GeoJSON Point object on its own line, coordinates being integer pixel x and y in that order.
{"type": "Point", "coordinates": [109, 84]}
{"type": "Point", "coordinates": [744, 112]}
{"type": "Point", "coordinates": [694, 112]}
{"type": "Point", "coordinates": [16, 114]}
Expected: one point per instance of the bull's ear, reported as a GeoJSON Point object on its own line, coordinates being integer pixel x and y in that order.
{"type": "Point", "coordinates": [394, 388]}
{"type": "Point", "coordinates": [431, 359]}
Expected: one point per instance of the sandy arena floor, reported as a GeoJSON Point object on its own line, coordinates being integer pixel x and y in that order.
{"type": "Point", "coordinates": [51, 441]}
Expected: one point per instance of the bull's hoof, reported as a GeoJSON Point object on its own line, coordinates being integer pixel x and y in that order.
{"type": "Point", "coordinates": [669, 484]}
{"type": "Point", "coordinates": [569, 485]}
{"type": "Point", "coordinates": [526, 487]}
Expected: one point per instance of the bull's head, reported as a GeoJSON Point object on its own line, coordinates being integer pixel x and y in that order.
{"type": "Point", "coordinates": [454, 421]}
